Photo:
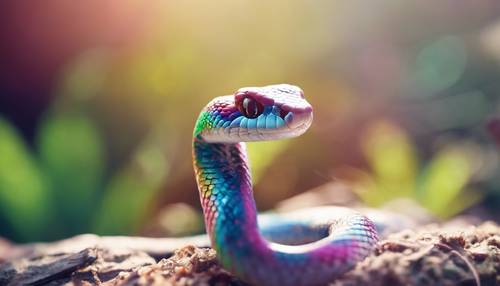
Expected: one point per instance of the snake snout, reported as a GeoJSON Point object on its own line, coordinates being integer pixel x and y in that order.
{"type": "Point", "coordinates": [297, 116]}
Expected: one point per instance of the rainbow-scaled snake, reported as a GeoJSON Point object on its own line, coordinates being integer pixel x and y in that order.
{"type": "Point", "coordinates": [306, 247]}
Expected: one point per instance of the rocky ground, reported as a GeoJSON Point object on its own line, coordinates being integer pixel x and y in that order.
{"type": "Point", "coordinates": [447, 254]}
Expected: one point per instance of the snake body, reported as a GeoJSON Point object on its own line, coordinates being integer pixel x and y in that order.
{"type": "Point", "coordinates": [307, 247]}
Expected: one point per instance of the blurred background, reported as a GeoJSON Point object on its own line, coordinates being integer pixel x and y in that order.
{"type": "Point", "coordinates": [98, 100]}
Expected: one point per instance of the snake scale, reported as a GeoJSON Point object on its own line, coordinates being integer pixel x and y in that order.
{"type": "Point", "coordinates": [305, 247]}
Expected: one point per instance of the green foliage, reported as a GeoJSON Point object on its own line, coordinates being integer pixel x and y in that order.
{"type": "Point", "coordinates": [126, 196]}
{"type": "Point", "coordinates": [24, 198]}
{"type": "Point", "coordinates": [71, 153]}
{"type": "Point", "coordinates": [440, 187]}
{"type": "Point", "coordinates": [56, 195]}
{"type": "Point", "coordinates": [392, 159]}
{"type": "Point", "coordinates": [444, 183]}
{"type": "Point", "coordinates": [130, 193]}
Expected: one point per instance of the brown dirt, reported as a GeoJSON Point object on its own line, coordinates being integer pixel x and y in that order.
{"type": "Point", "coordinates": [433, 255]}
{"type": "Point", "coordinates": [429, 255]}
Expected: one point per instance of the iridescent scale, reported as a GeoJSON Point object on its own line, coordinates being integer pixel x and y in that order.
{"type": "Point", "coordinates": [301, 249]}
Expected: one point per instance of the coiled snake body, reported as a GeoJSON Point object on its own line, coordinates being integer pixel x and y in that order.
{"type": "Point", "coordinates": [306, 247]}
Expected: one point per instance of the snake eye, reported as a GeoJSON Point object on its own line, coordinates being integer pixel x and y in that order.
{"type": "Point", "coordinates": [250, 107]}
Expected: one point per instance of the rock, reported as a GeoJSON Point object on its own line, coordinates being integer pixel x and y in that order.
{"type": "Point", "coordinates": [90, 265]}
{"type": "Point", "coordinates": [44, 269]}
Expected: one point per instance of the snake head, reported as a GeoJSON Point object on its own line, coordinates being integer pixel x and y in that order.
{"type": "Point", "coordinates": [255, 114]}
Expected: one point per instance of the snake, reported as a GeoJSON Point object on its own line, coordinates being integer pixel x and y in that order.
{"type": "Point", "coordinates": [305, 247]}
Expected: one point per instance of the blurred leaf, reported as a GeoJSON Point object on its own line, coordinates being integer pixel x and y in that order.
{"type": "Point", "coordinates": [130, 193]}
{"type": "Point", "coordinates": [461, 202]}
{"type": "Point", "coordinates": [262, 155]}
{"type": "Point", "coordinates": [126, 200]}
{"type": "Point", "coordinates": [393, 162]}
{"type": "Point", "coordinates": [444, 180]}
{"type": "Point", "coordinates": [24, 199]}
{"type": "Point", "coordinates": [72, 154]}
{"type": "Point", "coordinates": [391, 157]}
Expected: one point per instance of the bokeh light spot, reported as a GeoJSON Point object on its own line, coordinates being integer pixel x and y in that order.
{"type": "Point", "coordinates": [440, 64]}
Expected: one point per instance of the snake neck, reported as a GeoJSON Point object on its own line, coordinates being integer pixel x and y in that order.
{"type": "Point", "coordinates": [225, 187]}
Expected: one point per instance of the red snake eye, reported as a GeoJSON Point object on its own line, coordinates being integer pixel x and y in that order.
{"type": "Point", "coordinates": [250, 107]}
